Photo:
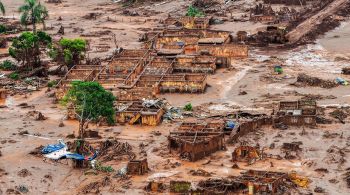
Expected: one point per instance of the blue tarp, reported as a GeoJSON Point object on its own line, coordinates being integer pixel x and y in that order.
{"type": "Point", "coordinates": [53, 147]}
{"type": "Point", "coordinates": [230, 124]}
{"type": "Point", "coordinates": [76, 156]}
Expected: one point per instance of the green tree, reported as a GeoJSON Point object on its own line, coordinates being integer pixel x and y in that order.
{"type": "Point", "coordinates": [69, 51]}
{"type": "Point", "coordinates": [23, 48]}
{"type": "Point", "coordinates": [90, 102]}
{"type": "Point", "coordinates": [32, 13]}
{"type": "Point", "coordinates": [194, 12]}
{"type": "Point", "coordinates": [188, 107]}
{"type": "Point", "coordinates": [2, 8]}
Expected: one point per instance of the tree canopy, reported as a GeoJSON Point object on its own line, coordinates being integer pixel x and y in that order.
{"type": "Point", "coordinates": [2, 8]}
{"type": "Point", "coordinates": [69, 51]}
{"type": "Point", "coordinates": [32, 13]}
{"type": "Point", "coordinates": [194, 12]}
{"type": "Point", "coordinates": [23, 48]}
{"type": "Point", "coordinates": [91, 101]}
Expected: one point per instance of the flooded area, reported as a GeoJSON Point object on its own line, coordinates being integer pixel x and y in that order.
{"type": "Point", "coordinates": [210, 97]}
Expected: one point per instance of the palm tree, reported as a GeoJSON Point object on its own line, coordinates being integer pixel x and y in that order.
{"type": "Point", "coordinates": [2, 8]}
{"type": "Point", "coordinates": [33, 12]}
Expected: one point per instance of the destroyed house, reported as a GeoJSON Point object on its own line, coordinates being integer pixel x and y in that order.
{"type": "Point", "coordinates": [135, 74]}
{"type": "Point", "coordinates": [195, 22]}
{"type": "Point", "coordinates": [78, 73]}
{"type": "Point", "coordinates": [138, 113]}
{"type": "Point", "coordinates": [137, 167]}
{"type": "Point", "coordinates": [249, 182]}
{"type": "Point", "coordinates": [298, 113]}
{"type": "Point", "coordinates": [247, 126]}
{"type": "Point", "coordinates": [213, 126]}
{"type": "Point", "coordinates": [262, 13]}
{"type": "Point", "coordinates": [188, 22]}
{"type": "Point", "coordinates": [194, 141]}
{"type": "Point", "coordinates": [246, 154]}
{"type": "Point", "coordinates": [195, 64]}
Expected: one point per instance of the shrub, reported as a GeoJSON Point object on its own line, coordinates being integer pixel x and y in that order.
{"type": "Point", "coordinates": [68, 51]}
{"type": "Point", "coordinates": [52, 83]}
{"type": "Point", "coordinates": [14, 76]}
{"type": "Point", "coordinates": [188, 107]}
{"type": "Point", "coordinates": [194, 12]}
{"type": "Point", "coordinates": [2, 29]}
{"type": "Point", "coordinates": [7, 65]}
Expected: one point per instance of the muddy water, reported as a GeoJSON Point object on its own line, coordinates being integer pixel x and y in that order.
{"type": "Point", "coordinates": [337, 41]}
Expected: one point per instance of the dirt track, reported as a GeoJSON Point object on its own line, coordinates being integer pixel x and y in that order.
{"type": "Point", "coordinates": [310, 23]}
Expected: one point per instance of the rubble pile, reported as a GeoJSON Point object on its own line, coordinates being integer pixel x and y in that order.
{"type": "Point", "coordinates": [114, 150]}
{"type": "Point", "coordinates": [335, 155]}
{"type": "Point", "coordinates": [22, 86]}
{"type": "Point", "coordinates": [307, 80]}
{"type": "Point", "coordinates": [347, 177]}
{"type": "Point", "coordinates": [340, 114]}
{"type": "Point", "coordinates": [204, 3]}
{"type": "Point", "coordinates": [36, 115]}
{"type": "Point", "coordinates": [346, 70]}
{"type": "Point", "coordinates": [94, 187]}
{"type": "Point", "coordinates": [200, 172]}
{"type": "Point", "coordinates": [262, 182]}
{"type": "Point", "coordinates": [24, 173]}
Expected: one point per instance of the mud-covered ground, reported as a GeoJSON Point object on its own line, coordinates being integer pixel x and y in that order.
{"type": "Point", "coordinates": [253, 75]}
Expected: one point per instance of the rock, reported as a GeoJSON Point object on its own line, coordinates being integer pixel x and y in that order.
{"type": "Point", "coordinates": [346, 70]}
{"type": "Point", "coordinates": [24, 173]}
{"type": "Point", "coordinates": [242, 93]}
{"type": "Point", "coordinates": [319, 190]}
{"type": "Point", "coordinates": [22, 189]}
{"type": "Point", "coordinates": [61, 30]}
{"type": "Point", "coordinates": [61, 124]}
{"type": "Point", "coordinates": [200, 172]}
{"type": "Point", "coordinates": [70, 136]}
{"type": "Point", "coordinates": [53, 70]}
{"type": "Point", "coordinates": [235, 166]}
{"type": "Point", "coordinates": [37, 151]}
{"type": "Point", "coordinates": [91, 134]}
{"type": "Point", "coordinates": [23, 132]}
{"type": "Point", "coordinates": [48, 176]}
{"type": "Point", "coordinates": [38, 116]}
{"type": "Point", "coordinates": [63, 70]}
{"type": "Point", "coordinates": [217, 21]}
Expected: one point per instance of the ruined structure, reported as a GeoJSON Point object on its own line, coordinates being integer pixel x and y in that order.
{"type": "Point", "coordinates": [250, 182]}
{"type": "Point", "coordinates": [194, 141]}
{"type": "Point", "coordinates": [3, 94]}
{"type": "Point", "coordinates": [136, 112]}
{"type": "Point", "coordinates": [296, 113]}
{"type": "Point", "coordinates": [247, 154]}
{"type": "Point", "coordinates": [293, 146]}
{"type": "Point", "coordinates": [173, 60]}
{"type": "Point", "coordinates": [287, 2]}
{"type": "Point", "coordinates": [262, 13]}
{"type": "Point", "coordinates": [137, 167]}
{"type": "Point", "coordinates": [187, 22]}
{"type": "Point", "coordinates": [246, 126]}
